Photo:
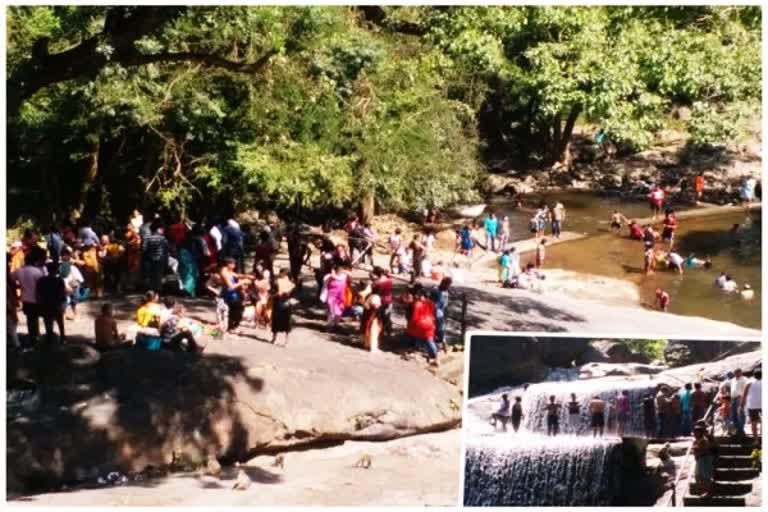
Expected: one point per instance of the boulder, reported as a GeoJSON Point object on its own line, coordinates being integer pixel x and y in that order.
{"type": "Point", "coordinates": [508, 362]}
{"type": "Point", "coordinates": [610, 351]}
{"type": "Point", "coordinates": [148, 408]}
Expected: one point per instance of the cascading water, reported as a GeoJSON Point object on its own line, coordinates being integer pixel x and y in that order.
{"type": "Point", "coordinates": [537, 396]}
{"type": "Point", "coordinates": [539, 470]}
{"type": "Point", "coordinates": [529, 468]}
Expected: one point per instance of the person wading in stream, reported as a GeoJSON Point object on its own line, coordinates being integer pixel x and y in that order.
{"type": "Point", "coordinates": [649, 415]}
{"type": "Point", "coordinates": [623, 412]}
{"type": "Point", "coordinates": [517, 413]}
{"type": "Point", "coordinates": [553, 416]}
{"type": "Point", "coordinates": [574, 414]}
{"type": "Point", "coordinates": [597, 411]}
{"type": "Point", "coordinates": [502, 414]}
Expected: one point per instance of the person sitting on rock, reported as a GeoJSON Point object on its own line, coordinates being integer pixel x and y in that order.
{"type": "Point", "coordinates": [177, 333]}
{"type": "Point", "coordinates": [105, 329]}
{"type": "Point", "coordinates": [503, 413]}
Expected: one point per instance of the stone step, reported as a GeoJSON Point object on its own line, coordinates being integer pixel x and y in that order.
{"type": "Point", "coordinates": [734, 461]}
{"type": "Point", "coordinates": [734, 474]}
{"type": "Point", "coordinates": [714, 501]}
{"type": "Point", "coordinates": [723, 488]}
{"type": "Point", "coordinates": [734, 449]}
{"type": "Point", "coordinates": [741, 440]}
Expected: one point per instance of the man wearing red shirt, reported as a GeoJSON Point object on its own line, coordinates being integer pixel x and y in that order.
{"type": "Point", "coordinates": [421, 326]}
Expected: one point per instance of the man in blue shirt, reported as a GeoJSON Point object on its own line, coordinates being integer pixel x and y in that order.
{"type": "Point", "coordinates": [491, 226]}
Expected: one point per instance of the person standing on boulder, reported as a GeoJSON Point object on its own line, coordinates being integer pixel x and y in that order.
{"type": "Point", "coordinates": [421, 324]}
{"type": "Point", "coordinates": [553, 416]}
{"type": "Point", "coordinates": [597, 411]}
{"type": "Point", "coordinates": [686, 413]}
{"type": "Point", "coordinates": [699, 403]}
{"type": "Point", "coordinates": [699, 186]}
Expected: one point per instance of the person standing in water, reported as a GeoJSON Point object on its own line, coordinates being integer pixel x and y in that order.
{"type": "Point", "coordinates": [553, 416]}
{"type": "Point", "coordinates": [622, 412]}
{"type": "Point", "coordinates": [597, 411]}
{"type": "Point", "coordinates": [649, 415]}
{"type": "Point", "coordinates": [574, 414]}
{"type": "Point", "coordinates": [517, 413]}
{"type": "Point", "coordinates": [558, 217]}
{"type": "Point", "coordinates": [502, 414]}
{"type": "Point", "coordinates": [670, 226]}
{"type": "Point", "coordinates": [656, 197]}
{"type": "Point", "coordinates": [662, 299]}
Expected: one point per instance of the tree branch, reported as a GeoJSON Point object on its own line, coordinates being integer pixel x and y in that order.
{"type": "Point", "coordinates": [123, 26]}
{"type": "Point", "coordinates": [376, 15]}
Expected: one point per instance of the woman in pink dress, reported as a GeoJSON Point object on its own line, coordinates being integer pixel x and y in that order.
{"type": "Point", "coordinates": [334, 288]}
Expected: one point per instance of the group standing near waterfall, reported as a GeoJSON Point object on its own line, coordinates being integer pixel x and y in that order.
{"type": "Point", "coordinates": [665, 414]}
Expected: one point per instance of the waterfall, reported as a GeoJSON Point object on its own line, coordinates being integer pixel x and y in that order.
{"type": "Point", "coordinates": [532, 470]}
{"type": "Point", "coordinates": [528, 468]}
{"type": "Point", "coordinates": [537, 396]}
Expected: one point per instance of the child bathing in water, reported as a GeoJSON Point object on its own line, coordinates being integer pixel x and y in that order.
{"type": "Point", "coordinates": [617, 220]}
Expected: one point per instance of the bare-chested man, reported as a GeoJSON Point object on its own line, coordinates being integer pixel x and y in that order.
{"type": "Point", "coordinates": [553, 416]}
{"type": "Point", "coordinates": [597, 410]}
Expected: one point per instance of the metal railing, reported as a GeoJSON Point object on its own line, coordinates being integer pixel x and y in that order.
{"type": "Point", "coordinates": [673, 499]}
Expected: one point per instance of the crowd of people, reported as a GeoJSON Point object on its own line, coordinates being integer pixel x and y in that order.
{"type": "Point", "coordinates": [208, 259]}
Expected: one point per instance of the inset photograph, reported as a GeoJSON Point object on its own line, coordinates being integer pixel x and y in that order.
{"type": "Point", "coordinates": [562, 421]}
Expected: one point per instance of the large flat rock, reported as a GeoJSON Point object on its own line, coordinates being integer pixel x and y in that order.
{"type": "Point", "coordinates": [129, 409]}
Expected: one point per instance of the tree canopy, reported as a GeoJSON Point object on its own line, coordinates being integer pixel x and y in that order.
{"type": "Point", "coordinates": [216, 108]}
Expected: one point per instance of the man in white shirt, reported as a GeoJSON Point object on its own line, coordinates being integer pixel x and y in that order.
{"type": "Point", "coordinates": [753, 399]}
{"type": "Point", "coordinates": [676, 261]}
{"type": "Point", "coordinates": [738, 384]}
{"type": "Point", "coordinates": [720, 281]}
{"type": "Point", "coordinates": [27, 277]}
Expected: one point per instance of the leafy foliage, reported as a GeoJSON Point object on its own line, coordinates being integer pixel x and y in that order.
{"type": "Point", "coordinates": [213, 108]}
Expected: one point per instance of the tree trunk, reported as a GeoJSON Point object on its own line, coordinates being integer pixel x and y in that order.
{"type": "Point", "coordinates": [562, 143]}
{"type": "Point", "coordinates": [368, 206]}
{"type": "Point", "coordinates": [91, 173]}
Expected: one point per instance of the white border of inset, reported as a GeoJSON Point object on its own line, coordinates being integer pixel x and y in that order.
{"type": "Point", "coordinates": [568, 335]}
